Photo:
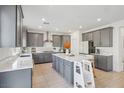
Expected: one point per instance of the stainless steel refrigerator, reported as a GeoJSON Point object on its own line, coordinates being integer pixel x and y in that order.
{"type": "Point", "coordinates": [87, 47]}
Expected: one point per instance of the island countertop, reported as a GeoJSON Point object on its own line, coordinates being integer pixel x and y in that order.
{"type": "Point", "coordinates": [16, 63]}
{"type": "Point", "coordinates": [78, 58]}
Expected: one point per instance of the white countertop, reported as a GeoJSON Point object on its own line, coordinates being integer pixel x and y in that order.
{"type": "Point", "coordinates": [16, 63]}
{"type": "Point", "coordinates": [78, 58]}
{"type": "Point", "coordinates": [102, 54]}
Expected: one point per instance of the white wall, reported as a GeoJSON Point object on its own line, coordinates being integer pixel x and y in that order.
{"type": "Point", "coordinates": [117, 43]}
{"type": "Point", "coordinates": [75, 42]}
{"type": "Point", "coordinates": [8, 52]}
{"type": "Point", "coordinates": [121, 47]}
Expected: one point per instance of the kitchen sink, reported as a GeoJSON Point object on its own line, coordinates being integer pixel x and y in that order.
{"type": "Point", "coordinates": [24, 55]}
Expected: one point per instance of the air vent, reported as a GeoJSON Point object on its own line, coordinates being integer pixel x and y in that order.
{"type": "Point", "coordinates": [46, 23]}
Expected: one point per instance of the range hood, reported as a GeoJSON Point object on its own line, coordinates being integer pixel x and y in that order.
{"type": "Point", "coordinates": [47, 38]}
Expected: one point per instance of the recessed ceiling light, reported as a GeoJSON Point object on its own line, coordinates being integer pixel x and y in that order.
{"type": "Point", "coordinates": [40, 26]}
{"type": "Point", "coordinates": [57, 29]}
{"type": "Point", "coordinates": [69, 31]}
{"type": "Point", "coordinates": [43, 19]}
{"type": "Point", "coordinates": [80, 27]}
{"type": "Point", "coordinates": [99, 19]}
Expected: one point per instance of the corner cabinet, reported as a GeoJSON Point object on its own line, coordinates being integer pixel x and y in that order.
{"type": "Point", "coordinates": [11, 25]}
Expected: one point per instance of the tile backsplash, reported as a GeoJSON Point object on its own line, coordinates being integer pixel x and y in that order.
{"type": "Point", "coordinates": [105, 50]}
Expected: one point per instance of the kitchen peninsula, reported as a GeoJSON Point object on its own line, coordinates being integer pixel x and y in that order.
{"type": "Point", "coordinates": [16, 71]}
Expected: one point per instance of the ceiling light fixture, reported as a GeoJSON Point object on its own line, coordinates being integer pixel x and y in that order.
{"type": "Point", "coordinates": [80, 27]}
{"type": "Point", "coordinates": [69, 31]}
{"type": "Point", "coordinates": [57, 29]}
{"type": "Point", "coordinates": [40, 26]}
{"type": "Point", "coordinates": [43, 19]}
{"type": "Point", "coordinates": [99, 19]}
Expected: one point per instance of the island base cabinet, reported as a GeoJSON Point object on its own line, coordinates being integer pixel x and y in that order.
{"type": "Point", "coordinates": [57, 64]}
{"type": "Point", "coordinates": [68, 71]}
{"type": "Point", "coordinates": [54, 62]}
{"type": "Point", "coordinates": [64, 68]}
{"type": "Point", "coordinates": [61, 69]}
{"type": "Point", "coordinates": [16, 79]}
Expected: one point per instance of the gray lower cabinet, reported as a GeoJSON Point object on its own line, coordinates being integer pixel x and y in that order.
{"type": "Point", "coordinates": [35, 58]}
{"type": "Point", "coordinates": [47, 57]}
{"type": "Point", "coordinates": [57, 64]}
{"type": "Point", "coordinates": [64, 68]}
{"type": "Point", "coordinates": [68, 71]}
{"type": "Point", "coordinates": [54, 62]}
{"type": "Point", "coordinates": [61, 67]}
{"type": "Point", "coordinates": [42, 57]}
{"type": "Point", "coordinates": [16, 79]}
{"type": "Point", "coordinates": [96, 61]}
{"type": "Point", "coordinates": [104, 62]}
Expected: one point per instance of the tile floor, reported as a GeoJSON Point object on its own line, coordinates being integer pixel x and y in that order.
{"type": "Point", "coordinates": [109, 79]}
{"type": "Point", "coordinates": [44, 76]}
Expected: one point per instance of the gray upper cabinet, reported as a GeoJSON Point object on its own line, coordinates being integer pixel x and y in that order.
{"type": "Point", "coordinates": [10, 25]}
{"type": "Point", "coordinates": [34, 39]}
{"type": "Point", "coordinates": [101, 38]}
{"type": "Point", "coordinates": [96, 38]}
{"type": "Point", "coordinates": [19, 23]}
{"type": "Point", "coordinates": [90, 36]}
{"type": "Point", "coordinates": [83, 37]}
{"type": "Point", "coordinates": [66, 38]}
{"type": "Point", "coordinates": [87, 37]}
{"type": "Point", "coordinates": [111, 36]}
{"type": "Point", "coordinates": [57, 40]}
{"type": "Point", "coordinates": [106, 37]}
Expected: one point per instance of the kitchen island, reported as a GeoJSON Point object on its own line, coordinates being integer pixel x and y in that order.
{"type": "Point", "coordinates": [65, 66]}
{"type": "Point", "coordinates": [16, 71]}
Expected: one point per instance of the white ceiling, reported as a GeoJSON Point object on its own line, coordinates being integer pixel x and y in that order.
{"type": "Point", "coordinates": [70, 17]}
